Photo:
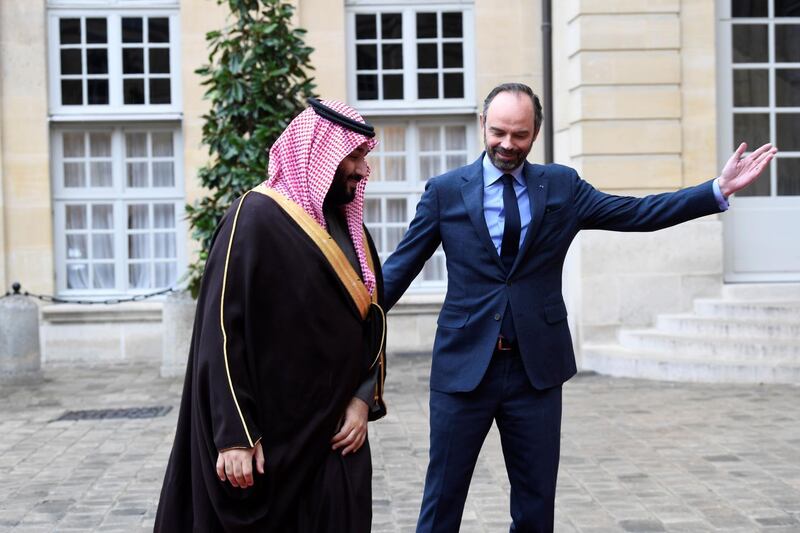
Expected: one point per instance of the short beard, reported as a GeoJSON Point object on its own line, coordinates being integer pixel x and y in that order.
{"type": "Point", "coordinates": [502, 164]}
{"type": "Point", "coordinates": [338, 194]}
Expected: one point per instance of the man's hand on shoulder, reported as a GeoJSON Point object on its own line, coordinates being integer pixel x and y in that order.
{"type": "Point", "coordinates": [354, 428]}
{"type": "Point", "coordinates": [236, 465]}
{"type": "Point", "coordinates": [739, 171]}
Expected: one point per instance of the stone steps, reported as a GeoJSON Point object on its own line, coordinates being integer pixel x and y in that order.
{"type": "Point", "coordinates": [750, 335]}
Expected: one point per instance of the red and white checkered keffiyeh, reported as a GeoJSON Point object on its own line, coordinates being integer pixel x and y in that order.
{"type": "Point", "coordinates": [304, 159]}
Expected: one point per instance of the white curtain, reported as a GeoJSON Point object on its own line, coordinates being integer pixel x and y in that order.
{"type": "Point", "coordinates": [139, 246]}
{"type": "Point", "coordinates": [76, 247]}
{"type": "Point", "coordinates": [103, 246]}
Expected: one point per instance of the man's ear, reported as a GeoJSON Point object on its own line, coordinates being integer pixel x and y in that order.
{"type": "Point", "coordinates": [482, 120]}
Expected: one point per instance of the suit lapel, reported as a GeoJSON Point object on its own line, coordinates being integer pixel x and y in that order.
{"type": "Point", "coordinates": [472, 193]}
{"type": "Point", "coordinates": [537, 194]}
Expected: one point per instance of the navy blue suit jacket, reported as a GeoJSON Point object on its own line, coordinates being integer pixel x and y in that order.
{"type": "Point", "coordinates": [479, 289]}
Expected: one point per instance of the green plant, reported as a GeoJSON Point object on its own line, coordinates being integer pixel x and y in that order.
{"type": "Point", "coordinates": [257, 81]}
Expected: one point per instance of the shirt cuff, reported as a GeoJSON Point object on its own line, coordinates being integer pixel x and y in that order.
{"type": "Point", "coordinates": [722, 202]}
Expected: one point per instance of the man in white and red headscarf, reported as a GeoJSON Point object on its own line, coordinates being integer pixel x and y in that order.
{"type": "Point", "coordinates": [287, 358]}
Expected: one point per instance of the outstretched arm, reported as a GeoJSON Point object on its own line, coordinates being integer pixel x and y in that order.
{"type": "Point", "coordinates": [740, 171]}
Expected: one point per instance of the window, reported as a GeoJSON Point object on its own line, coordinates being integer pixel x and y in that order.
{"type": "Point", "coordinates": [118, 202]}
{"type": "Point", "coordinates": [411, 56]}
{"type": "Point", "coordinates": [410, 152]}
{"type": "Point", "coordinates": [761, 86]}
{"type": "Point", "coordinates": [104, 63]}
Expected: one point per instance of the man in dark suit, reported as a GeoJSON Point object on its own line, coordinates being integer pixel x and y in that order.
{"type": "Point", "coordinates": [503, 347]}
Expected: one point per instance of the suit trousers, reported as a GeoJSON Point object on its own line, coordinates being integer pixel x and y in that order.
{"type": "Point", "coordinates": [529, 422]}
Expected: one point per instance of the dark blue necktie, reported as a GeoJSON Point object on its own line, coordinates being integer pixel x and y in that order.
{"type": "Point", "coordinates": [510, 244]}
{"type": "Point", "coordinates": [512, 227]}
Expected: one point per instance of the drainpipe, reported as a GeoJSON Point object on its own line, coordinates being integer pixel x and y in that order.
{"type": "Point", "coordinates": [547, 89]}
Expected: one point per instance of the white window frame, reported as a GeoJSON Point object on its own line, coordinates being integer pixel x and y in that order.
{"type": "Point", "coordinates": [411, 189]}
{"type": "Point", "coordinates": [411, 104]}
{"type": "Point", "coordinates": [725, 129]}
{"type": "Point", "coordinates": [120, 197]}
{"type": "Point", "coordinates": [115, 109]}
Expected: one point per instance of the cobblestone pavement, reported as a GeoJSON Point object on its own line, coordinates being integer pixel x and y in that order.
{"type": "Point", "coordinates": [636, 455]}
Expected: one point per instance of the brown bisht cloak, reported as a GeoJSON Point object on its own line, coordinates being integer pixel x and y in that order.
{"type": "Point", "coordinates": [277, 357]}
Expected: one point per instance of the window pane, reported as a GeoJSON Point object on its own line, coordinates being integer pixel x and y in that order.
{"type": "Point", "coordinates": [751, 88]}
{"type": "Point", "coordinates": [393, 237]}
{"type": "Point", "coordinates": [787, 43]}
{"type": "Point", "coordinates": [69, 31]}
{"type": "Point", "coordinates": [453, 85]}
{"type": "Point", "coordinates": [160, 91]}
{"type": "Point", "coordinates": [787, 8]}
{"type": "Point", "coordinates": [159, 60]}
{"type": "Point", "coordinates": [102, 217]}
{"type": "Point", "coordinates": [158, 30]}
{"type": "Point", "coordinates": [96, 30]}
{"type": "Point", "coordinates": [133, 91]}
{"type": "Point", "coordinates": [750, 128]}
{"type": "Point", "coordinates": [787, 87]}
{"type": "Point", "coordinates": [137, 174]}
{"type": "Point", "coordinates": [395, 168]}
{"type": "Point", "coordinates": [77, 247]}
{"type": "Point", "coordinates": [455, 161]}
{"type": "Point", "coordinates": [100, 144]}
{"type": "Point", "coordinates": [367, 86]}
{"type": "Point", "coordinates": [97, 91]}
{"type": "Point", "coordinates": [74, 175]}
{"type": "Point", "coordinates": [71, 92]}
{"type": "Point", "coordinates": [100, 174]}
{"type": "Point", "coordinates": [393, 87]}
{"type": "Point", "coordinates": [71, 61]}
{"type": "Point", "coordinates": [76, 216]}
{"type": "Point", "coordinates": [433, 269]}
{"type": "Point", "coordinates": [428, 85]}
{"type": "Point", "coordinates": [78, 276]}
{"type": "Point", "coordinates": [163, 216]}
{"type": "Point", "coordinates": [103, 246]}
{"type": "Point", "coordinates": [136, 144]}
{"type": "Point", "coordinates": [366, 57]}
{"type": "Point", "coordinates": [455, 137]}
{"type": "Point", "coordinates": [138, 216]}
{"type": "Point", "coordinates": [163, 175]}
{"type": "Point", "coordinates": [426, 25]}
{"type": "Point", "coordinates": [139, 246]}
{"type": "Point", "coordinates": [162, 144]}
{"type": "Point", "coordinates": [132, 61]}
{"type": "Point", "coordinates": [372, 211]}
{"type": "Point", "coordinates": [392, 25]}
{"type": "Point", "coordinates": [750, 43]}
{"type": "Point", "coordinates": [429, 165]}
{"type": "Point", "coordinates": [164, 245]}
{"type": "Point", "coordinates": [749, 8]}
{"type": "Point", "coordinates": [396, 210]}
{"type": "Point", "coordinates": [393, 139]}
{"type": "Point", "coordinates": [103, 276]}
{"type": "Point", "coordinates": [451, 25]}
{"type": "Point", "coordinates": [165, 274]}
{"type": "Point", "coordinates": [429, 139]}
{"type": "Point", "coordinates": [788, 176]}
{"type": "Point", "coordinates": [132, 30]}
{"type": "Point", "coordinates": [73, 144]}
{"type": "Point", "coordinates": [139, 276]}
{"type": "Point", "coordinates": [427, 56]}
{"type": "Point", "coordinates": [452, 55]}
{"type": "Point", "coordinates": [365, 27]}
{"type": "Point", "coordinates": [788, 132]}
{"type": "Point", "coordinates": [392, 56]}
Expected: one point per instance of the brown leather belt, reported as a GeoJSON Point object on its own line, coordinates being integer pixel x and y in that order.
{"type": "Point", "coordinates": [504, 345]}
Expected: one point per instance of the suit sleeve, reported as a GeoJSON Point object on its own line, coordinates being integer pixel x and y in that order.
{"type": "Point", "coordinates": [225, 365]}
{"type": "Point", "coordinates": [417, 245]}
{"type": "Point", "coordinates": [598, 210]}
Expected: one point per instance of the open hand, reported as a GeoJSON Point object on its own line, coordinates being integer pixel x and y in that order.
{"type": "Point", "coordinates": [236, 465]}
{"type": "Point", "coordinates": [354, 428]}
{"type": "Point", "coordinates": [739, 172]}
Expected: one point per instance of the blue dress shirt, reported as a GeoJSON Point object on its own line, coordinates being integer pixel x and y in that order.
{"type": "Point", "coordinates": [493, 211]}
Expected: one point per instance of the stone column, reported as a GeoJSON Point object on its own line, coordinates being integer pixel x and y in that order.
{"type": "Point", "coordinates": [178, 320]}
{"type": "Point", "coordinates": [20, 357]}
